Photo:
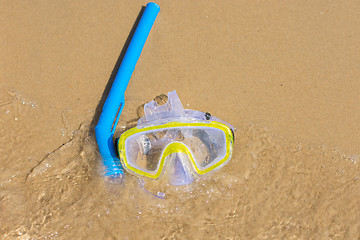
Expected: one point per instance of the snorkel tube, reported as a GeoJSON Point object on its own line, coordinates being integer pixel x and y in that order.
{"type": "Point", "coordinates": [115, 101]}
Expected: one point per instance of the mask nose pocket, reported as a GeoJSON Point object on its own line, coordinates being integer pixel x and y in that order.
{"type": "Point", "coordinates": [179, 169]}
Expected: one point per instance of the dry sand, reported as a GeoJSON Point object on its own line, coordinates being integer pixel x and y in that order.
{"type": "Point", "coordinates": [285, 74]}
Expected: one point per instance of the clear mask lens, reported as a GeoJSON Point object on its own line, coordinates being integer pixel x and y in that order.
{"type": "Point", "coordinates": [145, 150]}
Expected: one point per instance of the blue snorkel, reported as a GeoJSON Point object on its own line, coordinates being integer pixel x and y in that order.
{"type": "Point", "coordinates": [115, 101]}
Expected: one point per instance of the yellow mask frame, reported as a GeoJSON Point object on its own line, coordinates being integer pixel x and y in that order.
{"type": "Point", "coordinates": [175, 147]}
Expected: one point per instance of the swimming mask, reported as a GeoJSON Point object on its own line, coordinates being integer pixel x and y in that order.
{"type": "Point", "coordinates": [185, 143]}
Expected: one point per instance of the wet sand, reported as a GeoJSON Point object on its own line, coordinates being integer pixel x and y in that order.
{"type": "Point", "coordinates": [284, 74]}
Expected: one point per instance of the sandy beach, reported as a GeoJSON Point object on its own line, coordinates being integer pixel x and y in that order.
{"type": "Point", "coordinates": [284, 74]}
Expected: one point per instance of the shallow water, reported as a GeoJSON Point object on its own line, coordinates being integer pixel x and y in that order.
{"type": "Point", "coordinates": [272, 188]}
{"type": "Point", "coordinates": [284, 74]}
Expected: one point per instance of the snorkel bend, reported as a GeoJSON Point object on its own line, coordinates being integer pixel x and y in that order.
{"type": "Point", "coordinates": [115, 101]}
